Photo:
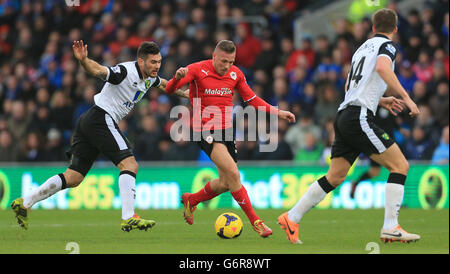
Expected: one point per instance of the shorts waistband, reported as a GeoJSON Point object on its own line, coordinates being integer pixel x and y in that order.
{"type": "Point", "coordinates": [358, 108]}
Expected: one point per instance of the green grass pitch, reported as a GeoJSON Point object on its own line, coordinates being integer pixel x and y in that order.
{"type": "Point", "coordinates": [322, 231]}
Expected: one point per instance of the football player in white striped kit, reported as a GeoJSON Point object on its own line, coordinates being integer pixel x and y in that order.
{"type": "Point", "coordinates": [371, 75]}
{"type": "Point", "coordinates": [97, 131]}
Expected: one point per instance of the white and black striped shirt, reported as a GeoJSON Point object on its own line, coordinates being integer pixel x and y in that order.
{"type": "Point", "coordinates": [124, 87]}
{"type": "Point", "coordinates": [365, 87]}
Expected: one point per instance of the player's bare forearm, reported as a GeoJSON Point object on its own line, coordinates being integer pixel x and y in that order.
{"type": "Point", "coordinates": [80, 52]}
{"type": "Point", "coordinates": [179, 92]}
{"type": "Point", "coordinates": [94, 68]}
{"type": "Point", "coordinates": [182, 93]}
{"type": "Point", "coordinates": [386, 73]}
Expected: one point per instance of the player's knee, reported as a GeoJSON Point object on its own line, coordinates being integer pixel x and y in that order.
{"type": "Point", "coordinates": [130, 165]}
{"type": "Point", "coordinates": [336, 180]}
{"type": "Point", "coordinates": [233, 175]}
{"type": "Point", "coordinates": [376, 171]}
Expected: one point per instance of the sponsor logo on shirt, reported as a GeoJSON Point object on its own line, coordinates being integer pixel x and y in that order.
{"type": "Point", "coordinates": [391, 48]}
{"type": "Point", "coordinates": [137, 97]}
{"type": "Point", "coordinates": [221, 91]}
{"type": "Point", "coordinates": [116, 69]}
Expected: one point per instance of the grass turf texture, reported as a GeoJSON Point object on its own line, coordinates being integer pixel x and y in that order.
{"type": "Point", "coordinates": [322, 231]}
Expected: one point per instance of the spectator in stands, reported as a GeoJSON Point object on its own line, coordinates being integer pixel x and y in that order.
{"type": "Point", "coordinates": [182, 150]}
{"type": "Point", "coordinates": [420, 94]}
{"type": "Point", "coordinates": [18, 121]}
{"type": "Point", "coordinates": [306, 50]}
{"type": "Point", "coordinates": [248, 46]}
{"type": "Point", "coordinates": [147, 141]}
{"type": "Point", "coordinates": [311, 151]}
{"type": "Point", "coordinates": [61, 112]}
{"type": "Point", "coordinates": [298, 80]}
{"type": "Point", "coordinates": [441, 153]}
{"type": "Point", "coordinates": [280, 90]}
{"type": "Point", "coordinates": [419, 147]}
{"type": "Point", "coordinates": [32, 148]}
{"type": "Point", "coordinates": [54, 148]}
{"type": "Point", "coordinates": [427, 122]}
{"type": "Point", "coordinates": [439, 104]}
{"type": "Point", "coordinates": [322, 48]}
{"type": "Point", "coordinates": [406, 76]}
{"type": "Point", "coordinates": [296, 134]}
{"type": "Point", "coordinates": [282, 151]}
{"type": "Point", "coordinates": [8, 148]}
{"type": "Point", "coordinates": [423, 68]}
{"type": "Point", "coordinates": [327, 104]}
{"type": "Point", "coordinates": [267, 59]}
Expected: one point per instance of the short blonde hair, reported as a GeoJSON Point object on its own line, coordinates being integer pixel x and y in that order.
{"type": "Point", "coordinates": [226, 45]}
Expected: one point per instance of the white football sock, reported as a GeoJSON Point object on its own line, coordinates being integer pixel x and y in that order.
{"type": "Point", "coordinates": [47, 189]}
{"type": "Point", "coordinates": [127, 186]}
{"type": "Point", "coordinates": [393, 201]}
{"type": "Point", "coordinates": [312, 197]}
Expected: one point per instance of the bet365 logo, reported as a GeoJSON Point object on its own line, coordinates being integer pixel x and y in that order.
{"type": "Point", "coordinates": [71, 3]}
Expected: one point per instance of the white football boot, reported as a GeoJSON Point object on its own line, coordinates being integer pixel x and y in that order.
{"type": "Point", "coordinates": [397, 234]}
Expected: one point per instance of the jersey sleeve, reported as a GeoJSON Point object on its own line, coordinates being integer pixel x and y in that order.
{"type": "Point", "coordinates": [388, 49]}
{"type": "Point", "coordinates": [116, 74]}
{"type": "Point", "coordinates": [250, 97]}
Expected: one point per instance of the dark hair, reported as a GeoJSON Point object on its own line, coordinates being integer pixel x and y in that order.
{"type": "Point", "coordinates": [384, 20]}
{"type": "Point", "coordinates": [227, 46]}
{"type": "Point", "coordinates": [147, 48]}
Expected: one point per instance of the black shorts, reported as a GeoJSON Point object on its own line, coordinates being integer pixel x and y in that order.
{"type": "Point", "coordinates": [225, 137]}
{"type": "Point", "coordinates": [356, 132]}
{"type": "Point", "coordinates": [95, 133]}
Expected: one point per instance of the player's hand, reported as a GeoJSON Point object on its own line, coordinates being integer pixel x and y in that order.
{"type": "Point", "coordinates": [80, 50]}
{"type": "Point", "coordinates": [181, 72]}
{"type": "Point", "coordinates": [286, 115]}
{"type": "Point", "coordinates": [392, 104]}
{"type": "Point", "coordinates": [413, 109]}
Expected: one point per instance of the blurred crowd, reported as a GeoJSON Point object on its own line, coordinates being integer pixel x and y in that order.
{"type": "Point", "coordinates": [43, 90]}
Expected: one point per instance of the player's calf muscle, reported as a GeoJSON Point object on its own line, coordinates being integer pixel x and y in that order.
{"type": "Point", "coordinates": [73, 178]}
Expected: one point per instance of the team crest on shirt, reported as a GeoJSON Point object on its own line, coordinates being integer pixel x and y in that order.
{"type": "Point", "coordinates": [385, 136]}
{"type": "Point", "coordinates": [209, 139]}
{"type": "Point", "coordinates": [147, 83]}
{"type": "Point", "coordinates": [233, 75]}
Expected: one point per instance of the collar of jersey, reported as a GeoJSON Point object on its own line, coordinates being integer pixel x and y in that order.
{"type": "Point", "coordinates": [139, 72]}
{"type": "Point", "coordinates": [381, 35]}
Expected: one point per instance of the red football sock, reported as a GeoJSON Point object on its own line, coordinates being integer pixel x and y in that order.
{"type": "Point", "coordinates": [243, 200]}
{"type": "Point", "coordinates": [203, 194]}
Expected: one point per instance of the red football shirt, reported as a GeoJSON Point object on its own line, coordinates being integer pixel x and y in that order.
{"type": "Point", "coordinates": [212, 94]}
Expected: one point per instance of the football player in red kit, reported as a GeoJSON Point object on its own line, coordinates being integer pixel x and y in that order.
{"type": "Point", "coordinates": [211, 85]}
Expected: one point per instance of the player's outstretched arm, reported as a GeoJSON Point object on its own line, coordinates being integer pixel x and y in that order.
{"type": "Point", "coordinates": [179, 92]}
{"type": "Point", "coordinates": [384, 69]}
{"type": "Point", "coordinates": [90, 66]}
{"type": "Point", "coordinates": [182, 77]}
